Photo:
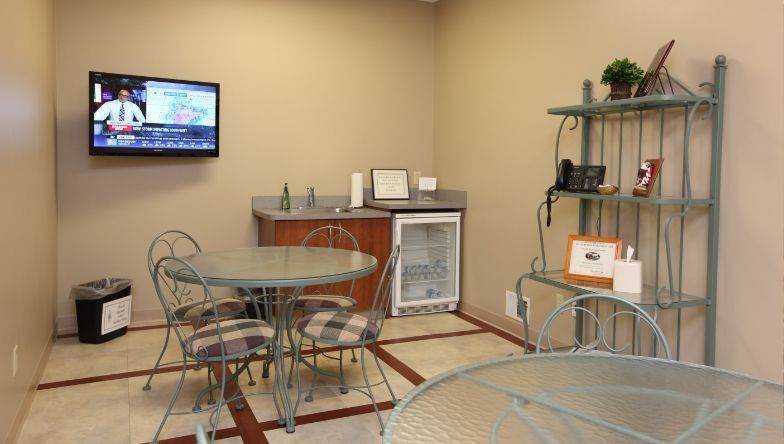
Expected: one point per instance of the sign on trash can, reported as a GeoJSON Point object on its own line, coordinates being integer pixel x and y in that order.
{"type": "Point", "coordinates": [103, 309]}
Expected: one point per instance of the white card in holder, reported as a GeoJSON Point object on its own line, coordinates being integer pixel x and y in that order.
{"type": "Point", "coordinates": [427, 183]}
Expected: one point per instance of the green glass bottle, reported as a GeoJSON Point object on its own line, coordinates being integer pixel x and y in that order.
{"type": "Point", "coordinates": [286, 204]}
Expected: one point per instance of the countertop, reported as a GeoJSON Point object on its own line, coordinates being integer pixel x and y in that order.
{"type": "Point", "coordinates": [415, 205]}
{"type": "Point", "coordinates": [444, 200]}
{"type": "Point", "coordinates": [268, 207]}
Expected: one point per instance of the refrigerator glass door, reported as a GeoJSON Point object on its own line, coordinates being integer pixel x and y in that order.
{"type": "Point", "coordinates": [428, 268]}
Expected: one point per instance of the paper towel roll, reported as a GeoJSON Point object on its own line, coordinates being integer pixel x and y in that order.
{"type": "Point", "coordinates": [356, 190]}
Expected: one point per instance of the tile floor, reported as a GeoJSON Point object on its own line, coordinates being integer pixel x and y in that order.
{"type": "Point", "coordinates": [93, 393]}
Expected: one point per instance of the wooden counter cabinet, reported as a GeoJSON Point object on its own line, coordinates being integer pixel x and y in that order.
{"type": "Point", "coordinates": [373, 236]}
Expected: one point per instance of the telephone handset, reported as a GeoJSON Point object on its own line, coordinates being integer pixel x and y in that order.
{"type": "Point", "coordinates": [575, 178]}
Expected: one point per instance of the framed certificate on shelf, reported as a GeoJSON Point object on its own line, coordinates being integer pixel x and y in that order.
{"type": "Point", "coordinates": [591, 258]}
{"type": "Point", "coordinates": [389, 184]}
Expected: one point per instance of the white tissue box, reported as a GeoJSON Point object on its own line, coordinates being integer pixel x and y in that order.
{"type": "Point", "coordinates": [627, 280]}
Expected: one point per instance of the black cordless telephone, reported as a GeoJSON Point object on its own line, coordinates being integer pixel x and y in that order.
{"type": "Point", "coordinates": [578, 178]}
{"type": "Point", "coordinates": [575, 178]}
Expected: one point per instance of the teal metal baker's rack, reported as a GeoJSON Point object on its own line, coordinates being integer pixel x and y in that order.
{"type": "Point", "coordinates": [665, 291]}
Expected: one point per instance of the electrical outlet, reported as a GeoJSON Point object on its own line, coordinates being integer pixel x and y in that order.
{"type": "Point", "coordinates": [416, 176]}
{"type": "Point", "coordinates": [559, 299]}
{"type": "Point", "coordinates": [15, 360]}
{"type": "Point", "coordinates": [511, 306]}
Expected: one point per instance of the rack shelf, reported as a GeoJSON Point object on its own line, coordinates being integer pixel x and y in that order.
{"type": "Point", "coordinates": [633, 104]}
{"type": "Point", "coordinates": [629, 198]}
{"type": "Point", "coordinates": [647, 298]}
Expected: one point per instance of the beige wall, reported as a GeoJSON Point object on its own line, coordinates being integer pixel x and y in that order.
{"type": "Point", "coordinates": [500, 64]}
{"type": "Point", "coordinates": [27, 191]}
{"type": "Point", "coordinates": [310, 92]}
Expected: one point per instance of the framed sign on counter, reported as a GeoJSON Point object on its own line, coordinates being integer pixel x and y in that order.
{"type": "Point", "coordinates": [389, 184]}
{"type": "Point", "coordinates": [591, 258]}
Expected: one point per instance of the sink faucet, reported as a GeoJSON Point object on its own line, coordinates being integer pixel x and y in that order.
{"type": "Point", "coordinates": [311, 197]}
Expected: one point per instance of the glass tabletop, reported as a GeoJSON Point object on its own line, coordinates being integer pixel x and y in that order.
{"type": "Point", "coordinates": [279, 266]}
{"type": "Point", "coordinates": [588, 398]}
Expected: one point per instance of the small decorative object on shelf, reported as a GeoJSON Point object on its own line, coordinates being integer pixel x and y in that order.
{"type": "Point", "coordinates": [621, 74]}
{"type": "Point", "coordinates": [646, 177]}
{"type": "Point", "coordinates": [607, 189]}
{"type": "Point", "coordinates": [652, 75]}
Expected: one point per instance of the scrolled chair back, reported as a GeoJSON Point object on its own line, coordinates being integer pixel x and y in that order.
{"type": "Point", "coordinates": [331, 236]}
{"type": "Point", "coordinates": [381, 300]}
{"type": "Point", "coordinates": [174, 243]}
{"type": "Point", "coordinates": [172, 274]}
{"type": "Point", "coordinates": [595, 329]}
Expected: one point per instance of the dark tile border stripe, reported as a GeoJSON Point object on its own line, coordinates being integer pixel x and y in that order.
{"type": "Point", "coordinates": [392, 362]}
{"type": "Point", "coordinates": [398, 366]}
{"type": "Point", "coordinates": [111, 377]}
{"type": "Point", "coordinates": [493, 329]}
{"type": "Point", "coordinates": [244, 419]}
{"type": "Point", "coordinates": [333, 414]}
{"type": "Point", "coordinates": [430, 336]}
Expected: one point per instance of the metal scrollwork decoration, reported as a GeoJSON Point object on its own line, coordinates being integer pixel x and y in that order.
{"type": "Point", "coordinates": [555, 199]}
{"type": "Point", "coordinates": [600, 337]}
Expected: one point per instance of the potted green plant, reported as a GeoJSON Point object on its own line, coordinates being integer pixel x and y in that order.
{"type": "Point", "coordinates": [621, 74]}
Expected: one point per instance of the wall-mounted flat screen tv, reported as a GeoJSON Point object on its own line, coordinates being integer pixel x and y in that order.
{"type": "Point", "coordinates": [133, 115]}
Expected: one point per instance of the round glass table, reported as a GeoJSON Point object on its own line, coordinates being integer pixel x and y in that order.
{"type": "Point", "coordinates": [588, 398]}
{"type": "Point", "coordinates": [279, 267]}
{"type": "Point", "coordinates": [268, 267]}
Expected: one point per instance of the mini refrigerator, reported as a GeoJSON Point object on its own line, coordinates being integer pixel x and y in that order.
{"type": "Point", "coordinates": [428, 273]}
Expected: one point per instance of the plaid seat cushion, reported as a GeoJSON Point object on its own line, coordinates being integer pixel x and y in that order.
{"type": "Point", "coordinates": [324, 303]}
{"type": "Point", "coordinates": [194, 310]}
{"type": "Point", "coordinates": [338, 326]}
{"type": "Point", "coordinates": [239, 335]}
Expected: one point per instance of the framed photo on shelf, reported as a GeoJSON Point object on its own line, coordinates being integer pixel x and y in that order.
{"type": "Point", "coordinates": [591, 258]}
{"type": "Point", "coordinates": [389, 184]}
{"type": "Point", "coordinates": [646, 177]}
{"type": "Point", "coordinates": [652, 74]}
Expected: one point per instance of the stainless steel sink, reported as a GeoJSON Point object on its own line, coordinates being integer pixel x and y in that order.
{"type": "Point", "coordinates": [310, 210]}
{"type": "Point", "coordinates": [347, 210]}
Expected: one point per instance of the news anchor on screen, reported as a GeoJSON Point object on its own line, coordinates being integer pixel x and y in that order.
{"type": "Point", "coordinates": [120, 110]}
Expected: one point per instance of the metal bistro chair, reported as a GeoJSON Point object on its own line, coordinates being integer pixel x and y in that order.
{"type": "Point", "coordinates": [178, 243]}
{"type": "Point", "coordinates": [201, 435]}
{"type": "Point", "coordinates": [215, 343]}
{"type": "Point", "coordinates": [328, 297]}
{"type": "Point", "coordinates": [622, 309]}
{"type": "Point", "coordinates": [344, 329]}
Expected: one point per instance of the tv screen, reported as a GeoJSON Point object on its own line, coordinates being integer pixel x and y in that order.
{"type": "Point", "coordinates": [152, 116]}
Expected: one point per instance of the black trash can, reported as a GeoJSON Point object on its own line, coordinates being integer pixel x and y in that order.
{"type": "Point", "coordinates": [103, 309]}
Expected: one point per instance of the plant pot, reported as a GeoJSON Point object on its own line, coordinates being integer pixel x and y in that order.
{"type": "Point", "coordinates": [620, 91]}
